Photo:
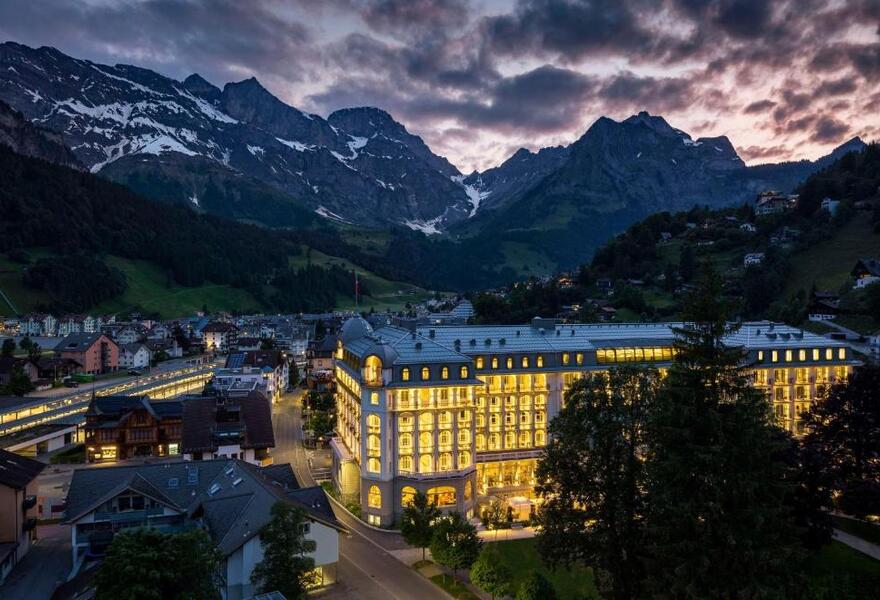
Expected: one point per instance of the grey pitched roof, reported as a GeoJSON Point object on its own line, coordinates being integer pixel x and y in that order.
{"type": "Point", "coordinates": [17, 471]}
{"type": "Point", "coordinates": [77, 342]}
{"type": "Point", "coordinates": [201, 428]}
{"type": "Point", "coordinates": [235, 498]}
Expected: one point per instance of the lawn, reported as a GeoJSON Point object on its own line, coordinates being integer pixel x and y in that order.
{"type": "Point", "coordinates": [524, 260]}
{"type": "Point", "coordinates": [453, 587]}
{"type": "Point", "coordinates": [25, 299]}
{"type": "Point", "coordinates": [521, 557]}
{"type": "Point", "coordinates": [838, 571]}
{"type": "Point", "coordinates": [828, 263]}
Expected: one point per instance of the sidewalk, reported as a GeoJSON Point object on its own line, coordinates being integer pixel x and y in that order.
{"type": "Point", "coordinates": [857, 543]}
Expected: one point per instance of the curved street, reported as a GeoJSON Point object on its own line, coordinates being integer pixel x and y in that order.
{"type": "Point", "coordinates": [367, 569]}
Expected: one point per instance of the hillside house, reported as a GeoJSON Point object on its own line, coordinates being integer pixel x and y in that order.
{"type": "Point", "coordinates": [866, 272]}
{"type": "Point", "coordinates": [773, 203]}
{"type": "Point", "coordinates": [830, 206]}
{"type": "Point", "coordinates": [753, 258]}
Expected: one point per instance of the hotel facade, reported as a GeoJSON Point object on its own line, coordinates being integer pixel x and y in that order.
{"type": "Point", "coordinates": [461, 413]}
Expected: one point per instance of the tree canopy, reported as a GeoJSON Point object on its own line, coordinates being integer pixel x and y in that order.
{"type": "Point", "coordinates": [285, 567]}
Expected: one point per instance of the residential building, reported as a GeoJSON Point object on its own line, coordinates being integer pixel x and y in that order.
{"type": "Point", "coordinates": [219, 335]}
{"type": "Point", "coordinates": [134, 356]}
{"type": "Point", "coordinates": [772, 203]}
{"type": "Point", "coordinates": [227, 424]}
{"type": "Point", "coordinates": [830, 206]}
{"type": "Point", "coordinates": [18, 508]}
{"type": "Point", "coordinates": [231, 499]}
{"type": "Point", "coordinates": [269, 368]}
{"type": "Point", "coordinates": [120, 427]}
{"type": "Point", "coordinates": [160, 332]}
{"type": "Point", "coordinates": [748, 228]}
{"type": "Point", "coordinates": [69, 324]}
{"type": "Point", "coordinates": [320, 363]}
{"type": "Point", "coordinates": [866, 272]}
{"type": "Point", "coordinates": [461, 413]}
{"type": "Point", "coordinates": [95, 352]}
{"type": "Point", "coordinates": [753, 258]}
{"type": "Point", "coordinates": [128, 334]}
{"type": "Point", "coordinates": [824, 306]}
{"type": "Point", "coordinates": [39, 325]}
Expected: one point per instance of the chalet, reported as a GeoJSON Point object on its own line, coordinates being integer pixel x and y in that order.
{"type": "Point", "coordinates": [753, 258]}
{"type": "Point", "coordinates": [219, 335]}
{"type": "Point", "coordinates": [830, 206]}
{"type": "Point", "coordinates": [866, 272]}
{"type": "Point", "coordinates": [128, 334]}
{"type": "Point", "coordinates": [824, 306]}
{"type": "Point", "coordinates": [95, 352]}
{"type": "Point", "coordinates": [230, 499]}
{"type": "Point", "coordinates": [55, 368]}
{"type": "Point", "coordinates": [228, 425]}
{"type": "Point", "coordinates": [120, 427]}
{"type": "Point", "coordinates": [772, 203]}
{"type": "Point", "coordinates": [8, 366]}
{"type": "Point", "coordinates": [18, 508]}
{"type": "Point", "coordinates": [134, 356]}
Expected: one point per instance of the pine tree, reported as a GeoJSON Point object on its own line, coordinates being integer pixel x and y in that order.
{"type": "Point", "coordinates": [717, 522]}
{"type": "Point", "coordinates": [285, 567]}
{"type": "Point", "coordinates": [417, 523]}
{"type": "Point", "coordinates": [592, 478]}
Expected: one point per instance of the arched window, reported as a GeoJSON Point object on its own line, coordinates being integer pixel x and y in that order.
{"type": "Point", "coordinates": [525, 439]}
{"type": "Point", "coordinates": [509, 362]}
{"type": "Point", "coordinates": [446, 438]}
{"type": "Point", "coordinates": [464, 438]}
{"type": "Point", "coordinates": [480, 363]}
{"type": "Point", "coordinates": [494, 441]}
{"type": "Point", "coordinates": [445, 461]}
{"type": "Point", "coordinates": [405, 464]}
{"type": "Point", "coordinates": [426, 421]}
{"type": "Point", "coordinates": [525, 362]}
{"type": "Point", "coordinates": [373, 370]}
{"type": "Point", "coordinates": [481, 442]}
{"type": "Point", "coordinates": [404, 374]}
{"type": "Point", "coordinates": [374, 445]}
{"type": "Point", "coordinates": [464, 459]}
{"type": "Point", "coordinates": [426, 441]}
{"type": "Point", "coordinates": [468, 490]}
{"type": "Point", "coordinates": [374, 424]}
{"type": "Point", "coordinates": [444, 373]}
{"type": "Point", "coordinates": [494, 362]}
{"type": "Point", "coordinates": [405, 443]}
{"type": "Point", "coordinates": [463, 373]}
{"type": "Point", "coordinates": [426, 373]}
{"type": "Point", "coordinates": [407, 495]}
{"type": "Point", "coordinates": [510, 440]}
{"type": "Point", "coordinates": [374, 497]}
{"type": "Point", "coordinates": [540, 438]}
{"type": "Point", "coordinates": [373, 465]}
{"type": "Point", "coordinates": [539, 361]}
{"type": "Point", "coordinates": [442, 496]}
{"type": "Point", "coordinates": [426, 463]}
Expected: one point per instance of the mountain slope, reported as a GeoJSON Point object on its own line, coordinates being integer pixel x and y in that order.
{"type": "Point", "coordinates": [17, 133]}
{"type": "Point", "coordinates": [110, 112]}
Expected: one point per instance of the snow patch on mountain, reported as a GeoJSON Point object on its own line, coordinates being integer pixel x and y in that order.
{"type": "Point", "coordinates": [426, 227]}
{"type": "Point", "coordinates": [298, 146]}
{"type": "Point", "coordinates": [256, 151]}
{"type": "Point", "coordinates": [328, 214]}
{"type": "Point", "coordinates": [475, 196]}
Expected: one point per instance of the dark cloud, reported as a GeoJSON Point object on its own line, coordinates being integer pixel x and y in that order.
{"type": "Point", "coordinates": [628, 91]}
{"type": "Point", "coordinates": [836, 87]}
{"type": "Point", "coordinates": [759, 153]}
{"type": "Point", "coordinates": [829, 130]}
{"type": "Point", "coordinates": [397, 15]}
{"type": "Point", "coordinates": [759, 106]}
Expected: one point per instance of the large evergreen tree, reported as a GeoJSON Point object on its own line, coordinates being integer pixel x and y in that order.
{"type": "Point", "coordinates": [285, 567]}
{"type": "Point", "coordinates": [843, 429]}
{"type": "Point", "coordinates": [455, 543]}
{"type": "Point", "coordinates": [718, 523]}
{"type": "Point", "coordinates": [591, 478]}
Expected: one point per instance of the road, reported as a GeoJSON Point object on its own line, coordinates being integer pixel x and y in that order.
{"type": "Point", "coordinates": [44, 567]}
{"type": "Point", "coordinates": [366, 569]}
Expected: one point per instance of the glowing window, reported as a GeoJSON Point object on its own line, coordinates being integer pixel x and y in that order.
{"type": "Point", "coordinates": [442, 496]}
{"type": "Point", "coordinates": [565, 358]}
{"type": "Point", "coordinates": [405, 443]}
{"type": "Point", "coordinates": [829, 354]}
{"type": "Point", "coordinates": [468, 490]}
{"type": "Point", "coordinates": [464, 437]}
{"type": "Point", "coordinates": [445, 419]}
{"type": "Point", "coordinates": [579, 358]}
{"type": "Point", "coordinates": [481, 442]}
{"type": "Point", "coordinates": [407, 495]}
{"type": "Point", "coordinates": [494, 441]}
{"type": "Point", "coordinates": [405, 464]}
{"type": "Point", "coordinates": [841, 353]}
{"type": "Point", "coordinates": [510, 440]}
{"type": "Point", "coordinates": [774, 356]}
{"type": "Point", "coordinates": [494, 362]}
{"type": "Point", "coordinates": [540, 438]}
{"type": "Point", "coordinates": [464, 459]}
{"type": "Point", "coordinates": [444, 461]}
{"type": "Point", "coordinates": [525, 439]}
{"type": "Point", "coordinates": [373, 370]}
{"type": "Point", "coordinates": [788, 356]}
{"type": "Point", "coordinates": [374, 397]}
{"type": "Point", "coordinates": [373, 465]}
{"type": "Point", "coordinates": [802, 355]}
{"type": "Point", "coordinates": [426, 463]}
{"type": "Point", "coordinates": [404, 374]}
{"type": "Point", "coordinates": [463, 373]}
{"type": "Point", "coordinates": [525, 362]}
{"type": "Point", "coordinates": [405, 422]}
{"type": "Point", "coordinates": [426, 373]}
{"type": "Point", "coordinates": [374, 497]}
{"type": "Point", "coordinates": [815, 354]}
{"type": "Point", "coordinates": [426, 421]}
{"type": "Point", "coordinates": [444, 373]}
{"type": "Point", "coordinates": [760, 355]}
{"type": "Point", "coordinates": [446, 438]}
{"type": "Point", "coordinates": [509, 362]}
{"type": "Point", "coordinates": [426, 441]}
{"type": "Point", "coordinates": [480, 362]}
{"type": "Point", "coordinates": [539, 361]}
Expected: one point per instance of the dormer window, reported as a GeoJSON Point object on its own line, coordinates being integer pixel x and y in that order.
{"type": "Point", "coordinates": [525, 362]}
{"type": "Point", "coordinates": [494, 362]}
{"type": "Point", "coordinates": [444, 373]}
{"type": "Point", "coordinates": [426, 373]}
{"type": "Point", "coordinates": [463, 372]}
{"type": "Point", "coordinates": [480, 362]}
{"type": "Point", "coordinates": [373, 370]}
{"type": "Point", "coordinates": [404, 374]}
{"type": "Point", "coordinates": [509, 362]}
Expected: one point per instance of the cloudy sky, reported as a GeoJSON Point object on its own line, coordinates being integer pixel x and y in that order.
{"type": "Point", "coordinates": [784, 80]}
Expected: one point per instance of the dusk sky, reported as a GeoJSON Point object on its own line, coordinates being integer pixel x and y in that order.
{"type": "Point", "coordinates": [478, 80]}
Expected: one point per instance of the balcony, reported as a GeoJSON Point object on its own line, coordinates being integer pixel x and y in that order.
{"type": "Point", "coordinates": [129, 515]}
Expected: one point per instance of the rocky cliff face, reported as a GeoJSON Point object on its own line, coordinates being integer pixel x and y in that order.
{"type": "Point", "coordinates": [23, 137]}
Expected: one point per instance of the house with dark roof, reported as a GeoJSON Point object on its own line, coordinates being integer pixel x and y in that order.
{"type": "Point", "coordinates": [866, 272]}
{"type": "Point", "coordinates": [18, 508]}
{"type": "Point", "coordinates": [120, 427]}
{"type": "Point", "coordinates": [96, 352]}
{"type": "Point", "coordinates": [219, 335]}
{"type": "Point", "coordinates": [228, 425]}
{"type": "Point", "coordinates": [268, 368]}
{"type": "Point", "coordinates": [134, 356]}
{"type": "Point", "coordinates": [230, 499]}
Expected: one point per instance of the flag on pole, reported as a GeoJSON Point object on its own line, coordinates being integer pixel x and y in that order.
{"type": "Point", "coordinates": [357, 287]}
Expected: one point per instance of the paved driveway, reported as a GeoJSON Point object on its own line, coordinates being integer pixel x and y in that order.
{"type": "Point", "coordinates": [45, 566]}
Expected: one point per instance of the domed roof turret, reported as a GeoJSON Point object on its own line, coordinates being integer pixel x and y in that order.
{"type": "Point", "coordinates": [354, 329]}
{"type": "Point", "coordinates": [385, 351]}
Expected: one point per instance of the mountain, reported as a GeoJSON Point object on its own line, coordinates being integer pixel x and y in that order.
{"type": "Point", "coordinates": [18, 133]}
{"type": "Point", "coordinates": [377, 174]}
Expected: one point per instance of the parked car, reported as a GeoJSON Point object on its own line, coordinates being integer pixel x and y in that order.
{"type": "Point", "coordinates": [71, 383]}
{"type": "Point", "coordinates": [134, 372]}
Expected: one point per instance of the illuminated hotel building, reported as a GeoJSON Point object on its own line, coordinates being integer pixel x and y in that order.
{"type": "Point", "coordinates": [461, 412]}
